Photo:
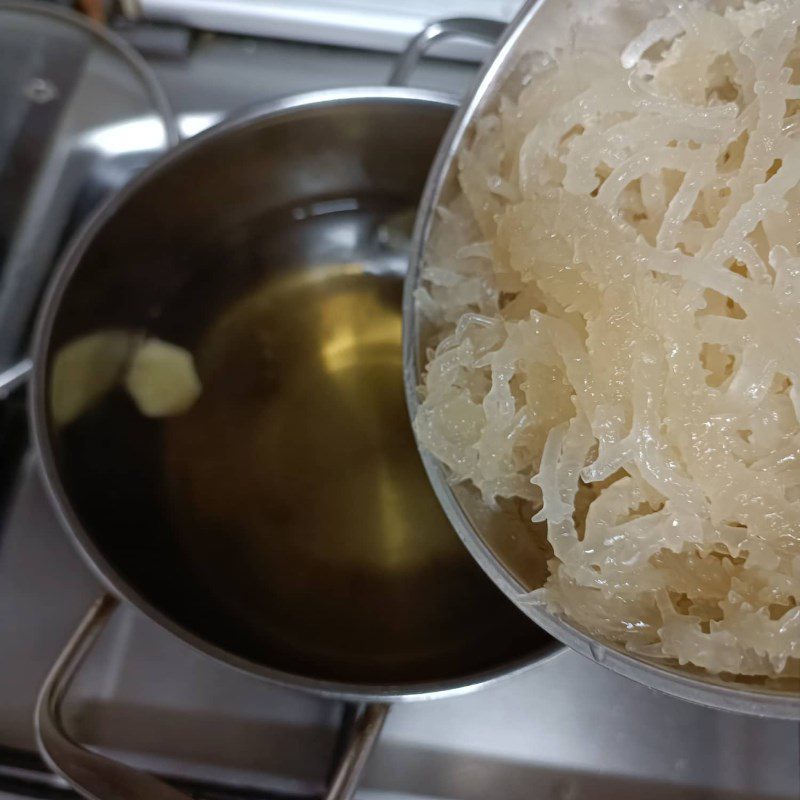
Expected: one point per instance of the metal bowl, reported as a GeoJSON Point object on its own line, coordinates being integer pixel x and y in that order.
{"type": "Point", "coordinates": [497, 541]}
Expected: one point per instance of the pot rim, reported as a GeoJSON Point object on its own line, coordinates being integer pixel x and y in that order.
{"type": "Point", "coordinates": [42, 439]}
{"type": "Point", "coordinates": [767, 703]}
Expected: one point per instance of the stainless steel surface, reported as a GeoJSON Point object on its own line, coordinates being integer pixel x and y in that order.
{"type": "Point", "coordinates": [365, 735]}
{"type": "Point", "coordinates": [116, 44]}
{"type": "Point", "coordinates": [568, 726]}
{"type": "Point", "coordinates": [541, 26]}
{"type": "Point", "coordinates": [36, 99]}
{"type": "Point", "coordinates": [567, 729]}
{"type": "Point", "coordinates": [371, 24]}
{"type": "Point", "coordinates": [94, 776]}
{"type": "Point", "coordinates": [481, 30]}
{"type": "Point", "coordinates": [39, 175]}
{"type": "Point", "coordinates": [14, 377]}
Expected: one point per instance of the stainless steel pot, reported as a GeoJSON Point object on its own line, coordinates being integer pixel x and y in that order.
{"type": "Point", "coordinates": [540, 27]}
{"type": "Point", "coordinates": [285, 199]}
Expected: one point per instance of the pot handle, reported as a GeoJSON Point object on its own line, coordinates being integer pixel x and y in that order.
{"type": "Point", "coordinates": [366, 730]}
{"type": "Point", "coordinates": [92, 775]}
{"type": "Point", "coordinates": [96, 777]}
{"type": "Point", "coordinates": [14, 377]}
{"type": "Point", "coordinates": [480, 30]}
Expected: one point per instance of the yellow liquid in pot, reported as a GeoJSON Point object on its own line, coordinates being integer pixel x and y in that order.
{"type": "Point", "coordinates": [300, 499]}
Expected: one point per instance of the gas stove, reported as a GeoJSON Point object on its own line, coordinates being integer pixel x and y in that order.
{"type": "Point", "coordinates": [565, 729]}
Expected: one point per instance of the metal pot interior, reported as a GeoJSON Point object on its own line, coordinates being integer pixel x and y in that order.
{"type": "Point", "coordinates": [266, 248]}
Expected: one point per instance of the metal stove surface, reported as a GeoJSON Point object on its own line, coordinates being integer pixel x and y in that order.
{"type": "Point", "coordinates": [567, 729]}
